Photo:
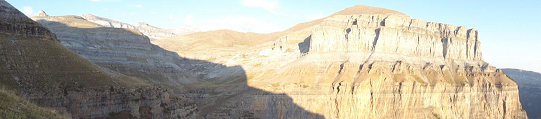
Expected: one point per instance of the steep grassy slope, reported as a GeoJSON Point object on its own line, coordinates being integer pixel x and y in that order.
{"type": "Point", "coordinates": [123, 50]}
{"type": "Point", "coordinates": [14, 107]}
{"type": "Point", "coordinates": [34, 64]}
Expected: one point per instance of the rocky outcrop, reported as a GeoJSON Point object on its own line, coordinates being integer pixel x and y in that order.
{"type": "Point", "coordinates": [394, 66]}
{"type": "Point", "coordinates": [41, 13]}
{"type": "Point", "coordinates": [371, 64]}
{"type": "Point", "coordinates": [41, 70]}
{"type": "Point", "coordinates": [395, 34]}
{"type": "Point", "coordinates": [115, 102]}
{"type": "Point", "coordinates": [353, 64]}
{"type": "Point", "coordinates": [154, 32]}
{"type": "Point", "coordinates": [122, 50]}
{"type": "Point", "coordinates": [14, 107]}
{"type": "Point", "coordinates": [383, 89]}
{"type": "Point", "coordinates": [529, 84]}
{"type": "Point", "coordinates": [150, 31]}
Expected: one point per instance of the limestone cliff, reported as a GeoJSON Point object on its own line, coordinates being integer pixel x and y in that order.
{"type": "Point", "coordinates": [123, 50]}
{"type": "Point", "coordinates": [150, 31]}
{"type": "Point", "coordinates": [41, 13]}
{"type": "Point", "coordinates": [367, 62]}
{"type": "Point", "coordinates": [395, 34]}
{"type": "Point", "coordinates": [41, 70]}
{"type": "Point", "coordinates": [362, 62]}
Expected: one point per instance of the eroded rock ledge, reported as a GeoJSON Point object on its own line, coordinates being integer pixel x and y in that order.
{"type": "Point", "coordinates": [396, 34]}
{"type": "Point", "coordinates": [377, 66]}
{"type": "Point", "coordinates": [150, 31]}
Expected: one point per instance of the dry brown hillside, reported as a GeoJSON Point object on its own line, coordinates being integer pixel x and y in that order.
{"type": "Point", "coordinates": [222, 43]}
{"type": "Point", "coordinates": [357, 9]}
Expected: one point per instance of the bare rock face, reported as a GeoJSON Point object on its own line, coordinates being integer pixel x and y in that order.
{"type": "Point", "coordinates": [150, 31]}
{"type": "Point", "coordinates": [393, 66]}
{"type": "Point", "coordinates": [377, 63]}
{"type": "Point", "coordinates": [115, 102]}
{"type": "Point", "coordinates": [41, 13]}
{"type": "Point", "coordinates": [123, 50]}
{"type": "Point", "coordinates": [395, 34]}
{"type": "Point", "coordinates": [383, 89]}
{"type": "Point", "coordinates": [44, 72]}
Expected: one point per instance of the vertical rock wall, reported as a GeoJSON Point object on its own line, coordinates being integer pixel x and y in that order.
{"type": "Point", "coordinates": [395, 34]}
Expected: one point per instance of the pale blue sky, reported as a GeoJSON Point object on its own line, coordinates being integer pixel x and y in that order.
{"type": "Point", "coordinates": [510, 31]}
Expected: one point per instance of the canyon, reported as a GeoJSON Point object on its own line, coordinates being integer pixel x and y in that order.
{"type": "Point", "coordinates": [361, 62]}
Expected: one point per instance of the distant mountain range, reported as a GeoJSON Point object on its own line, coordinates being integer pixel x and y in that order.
{"type": "Point", "coordinates": [529, 86]}
{"type": "Point", "coordinates": [152, 32]}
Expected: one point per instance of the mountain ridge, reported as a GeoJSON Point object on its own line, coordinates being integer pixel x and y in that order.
{"type": "Point", "coordinates": [380, 64]}
{"type": "Point", "coordinates": [150, 31]}
{"type": "Point", "coordinates": [123, 50]}
{"type": "Point", "coordinates": [42, 71]}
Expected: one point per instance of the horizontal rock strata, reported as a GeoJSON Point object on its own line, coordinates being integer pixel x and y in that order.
{"type": "Point", "coordinates": [395, 34]}
{"type": "Point", "coordinates": [150, 31]}
{"type": "Point", "coordinates": [41, 70]}
{"type": "Point", "coordinates": [122, 50]}
{"type": "Point", "coordinates": [374, 65]}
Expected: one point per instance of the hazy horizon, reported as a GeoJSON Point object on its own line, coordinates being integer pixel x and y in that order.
{"type": "Point", "coordinates": [508, 30]}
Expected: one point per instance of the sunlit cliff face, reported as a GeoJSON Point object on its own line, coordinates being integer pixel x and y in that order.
{"type": "Point", "coordinates": [372, 66]}
{"type": "Point", "coordinates": [362, 62]}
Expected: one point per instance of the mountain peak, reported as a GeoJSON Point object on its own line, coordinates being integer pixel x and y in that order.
{"type": "Point", "coordinates": [364, 9]}
{"type": "Point", "coordinates": [41, 13]}
{"type": "Point", "coordinates": [355, 10]}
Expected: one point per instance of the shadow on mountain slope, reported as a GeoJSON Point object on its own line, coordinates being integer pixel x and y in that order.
{"type": "Point", "coordinates": [529, 86]}
{"type": "Point", "coordinates": [125, 51]}
{"type": "Point", "coordinates": [304, 47]}
{"type": "Point", "coordinates": [228, 96]}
